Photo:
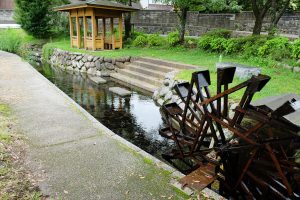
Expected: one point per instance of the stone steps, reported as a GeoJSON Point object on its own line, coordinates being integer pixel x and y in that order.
{"type": "Point", "coordinates": [170, 64]}
{"type": "Point", "coordinates": [141, 77]}
{"type": "Point", "coordinates": [134, 82]}
{"type": "Point", "coordinates": [148, 73]}
{"type": "Point", "coordinates": [155, 67]}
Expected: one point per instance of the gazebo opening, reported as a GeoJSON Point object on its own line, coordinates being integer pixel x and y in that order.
{"type": "Point", "coordinates": [97, 24]}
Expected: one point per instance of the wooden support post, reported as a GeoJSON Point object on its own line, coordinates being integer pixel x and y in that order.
{"type": "Point", "coordinates": [112, 33]}
{"type": "Point", "coordinates": [93, 17]}
{"type": "Point", "coordinates": [71, 29]}
{"type": "Point", "coordinates": [121, 31]}
{"type": "Point", "coordinates": [103, 32]}
{"type": "Point", "coordinates": [85, 27]}
{"type": "Point", "coordinates": [78, 31]}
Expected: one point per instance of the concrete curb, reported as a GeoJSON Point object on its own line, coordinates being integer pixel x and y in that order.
{"type": "Point", "coordinates": [175, 174]}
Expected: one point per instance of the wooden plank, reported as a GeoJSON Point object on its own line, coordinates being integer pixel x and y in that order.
{"type": "Point", "coordinates": [85, 27]}
{"type": "Point", "coordinates": [78, 32]}
{"type": "Point", "coordinates": [112, 33]}
{"type": "Point", "coordinates": [103, 32]}
{"type": "Point", "coordinates": [71, 29]}
{"type": "Point", "coordinates": [121, 32]}
{"type": "Point", "coordinates": [94, 31]}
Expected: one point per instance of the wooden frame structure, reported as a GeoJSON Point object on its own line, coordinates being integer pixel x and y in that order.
{"type": "Point", "coordinates": [85, 19]}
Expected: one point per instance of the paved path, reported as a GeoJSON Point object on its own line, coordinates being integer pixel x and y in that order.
{"type": "Point", "coordinates": [72, 155]}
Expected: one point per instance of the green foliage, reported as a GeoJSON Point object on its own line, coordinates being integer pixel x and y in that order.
{"type": "Point", "coordinates": [231, 46]}
{"type": "Point", "coordinates": [140, 41]}
{"type": "Point", "coordinates": [38, 17]}
{"type": "Point", "coordinates": [223, 33]}
{"type": "Point", "coordinates": [190, 43]}
{"type": "Point", "coordinates": [155, 40]}
{"type": "Point", "coordinates": [217, 6]}
{"type": "Point", "coordinates": [277, 48]}
{"type": "Point", "coordinates": [173, 38]}
{"type": "Point", "coordinates": [217, 44]}
{"type": "Point", "coordinates": [296, 49]}
{"type": "Point", "coordinates": [10, 41]}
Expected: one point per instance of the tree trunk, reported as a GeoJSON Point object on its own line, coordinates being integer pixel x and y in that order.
{"type": "Point", "coordinates": [276, 15]}
{"type": "Point", "coordinates": [182, 19]}
{"type": "Point", "coordinates": [127, 23]}
{"type": "Point", "coordinates": [260, 12]}
{"type": "Point", "coordinates": [258, 25]}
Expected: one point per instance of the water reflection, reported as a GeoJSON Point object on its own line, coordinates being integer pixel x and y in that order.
{"type": "Point", "coordinates": [136, 118]}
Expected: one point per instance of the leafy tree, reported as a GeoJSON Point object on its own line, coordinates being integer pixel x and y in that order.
{"type": "Point", "coordinates": [274, 8]}
{"type": "Point", "coordinates": [127, 21]}
{"type": "Point", "coordinates": [181, 8]}
{"type": "Point", "coordinates": [37, 17]}
{"type": "Point", "coordinates": [277, 10]}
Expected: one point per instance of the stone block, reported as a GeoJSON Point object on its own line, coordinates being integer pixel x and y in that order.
{"type": "Point", "coordinates": [120, 91]}
{"type": "Point", "coordinates": [98, 80]}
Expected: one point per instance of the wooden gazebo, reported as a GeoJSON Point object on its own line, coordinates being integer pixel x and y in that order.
{"type": "Point", "coordinates": [88, 23]}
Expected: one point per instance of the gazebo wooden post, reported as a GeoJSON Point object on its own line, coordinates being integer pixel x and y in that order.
{"type": "Point", "coordinates": [85, 27]}
{"type": "Point", "coordinates": [103, 32]}
{"type": "Point", "coordinates": [94, 27]}
{"type": "Point", "coordinates": [121, 31]}
{"type": "Point", "coordinates": [112, 33]}
{"type": "Point", "coordinates": [71, 29]}
{"type": "Point", "coordinates": [78, 30]}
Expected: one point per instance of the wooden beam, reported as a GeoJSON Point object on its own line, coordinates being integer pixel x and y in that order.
{"type": "Point", "coordinates": [93, 31]}
{"type": "Point", "coordinates": [121, 31]}
{"type": "Point", "coordinates": [78, 32]}
{"type": "Point", "coordinates": [85, 27]}
{"type": "Point", "coordinates": [112, 33]}
{"type": "Point", "coordinates": [71, 29]}
{"type": "Point", "coordinates": [103, 32]}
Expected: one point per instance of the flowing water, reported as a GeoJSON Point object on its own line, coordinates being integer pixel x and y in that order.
{"type": "Point", "coordinates": [135, 118]}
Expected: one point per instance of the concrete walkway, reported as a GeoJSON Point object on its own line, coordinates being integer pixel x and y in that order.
{"type": "Point", "coordinates": [71, 154]}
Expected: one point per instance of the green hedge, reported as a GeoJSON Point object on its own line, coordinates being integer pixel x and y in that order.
{"type": "Point", "coordinates": [274, 48]}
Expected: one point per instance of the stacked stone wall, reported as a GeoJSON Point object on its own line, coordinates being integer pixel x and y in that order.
{"type": "Point", "coordinates": [163, 22]}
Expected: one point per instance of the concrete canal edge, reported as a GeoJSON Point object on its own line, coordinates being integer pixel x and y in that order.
{"type": "Point", "coordinates": [175, 174]}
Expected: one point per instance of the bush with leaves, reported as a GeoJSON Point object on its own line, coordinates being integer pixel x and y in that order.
{"type": "Point", "coordinates": [223, 33]}
{"type": "Point", "coordinates": [277, 48]}
{"type": "Point", "coordinates": [154, 40]}
{"type": "Point", "coordinates": [140, 41]}
{"type": "Point", "coordinates": [296, 49]}
{"type": "Point", "coordinates": [173, 38]}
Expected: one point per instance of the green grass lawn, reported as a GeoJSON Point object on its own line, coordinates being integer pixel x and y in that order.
{"type": "Point", "coordinates": [282, 80]}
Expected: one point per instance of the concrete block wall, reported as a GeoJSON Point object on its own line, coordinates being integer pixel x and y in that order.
{"type": "Point", "coordinates": [163, 22]}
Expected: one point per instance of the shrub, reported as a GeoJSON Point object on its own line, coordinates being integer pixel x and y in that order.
{"type": "Point", "coordinates": [140, 41]}
{"type": "Point", "coordinates": [173, 38]}
{"type": "Point", "coordinates": [217, 44]}
{"type": "Point", "coordinates": [231, 46]}
{"type": "Point", "coordinates": [155, 40]}
{"type": "Point", "coordinates": [223, 33]}
{"type": "Point", "coordinates": [250, 44]}
{"type": "Point", "coordinates": [205, 42]}
{"type": "Point", "coordinates": [190, 43]}
{"type": "Point", "coordinates": [10, 40]}
{"type": "Point", "coordinates": [296, 49]}
{"type": "Point", "coordinates": [277, 48]}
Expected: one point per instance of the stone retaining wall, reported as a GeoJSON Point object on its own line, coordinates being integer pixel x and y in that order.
{"type": "Point", "coordinates": [93, 65]}
{"type": "Point", "coordinates": [163, 22]}
{"type": "Point", "coordinates": [6, 16]}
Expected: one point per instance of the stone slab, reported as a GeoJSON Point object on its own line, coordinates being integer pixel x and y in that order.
{"type": "Point", "coordinates": [98, 80]}
{"type": "Point", "coordinates": [242, 71]}
{"type": "Point", "coordinates": [120, 91]}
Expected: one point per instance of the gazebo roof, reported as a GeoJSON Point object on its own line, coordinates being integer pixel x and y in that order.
{"type": "Point", "coordinates": [102, 4]}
